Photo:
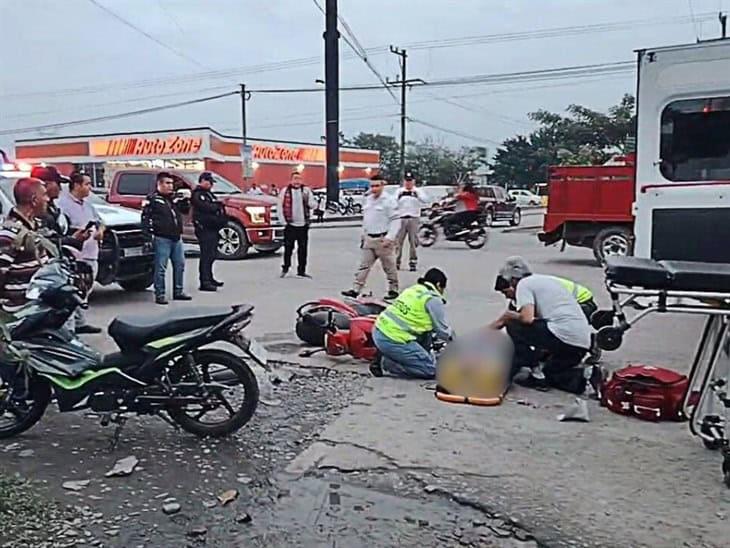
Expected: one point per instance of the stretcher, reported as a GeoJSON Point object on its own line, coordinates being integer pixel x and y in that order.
{"type": "Point", "coordinates": [640, 287]}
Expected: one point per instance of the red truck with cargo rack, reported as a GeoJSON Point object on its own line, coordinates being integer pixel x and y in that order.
{"type": "Point", "coordinates": [591, 206]}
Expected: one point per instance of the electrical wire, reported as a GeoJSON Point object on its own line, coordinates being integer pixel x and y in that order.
{"type": "Point", "coordinates": [60, 125]}
{"type": "Point", "coordinates": [454, 132]}
{"type": "Point", "coordinates": [144, 33]}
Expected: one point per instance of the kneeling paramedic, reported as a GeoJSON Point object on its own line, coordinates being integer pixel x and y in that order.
{"type": "Point", "coordinates": [548, 321]}
{"type": "Point", "coordinates": [404, 331]}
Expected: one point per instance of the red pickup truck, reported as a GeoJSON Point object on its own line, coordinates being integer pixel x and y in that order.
{"type": "Point", "coordinates": [590, 206]}
{"type": "Point", "coordinates": [252, 220]}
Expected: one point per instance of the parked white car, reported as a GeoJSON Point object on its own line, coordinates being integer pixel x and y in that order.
{"type": "Point", "coordinates": [525, 197]}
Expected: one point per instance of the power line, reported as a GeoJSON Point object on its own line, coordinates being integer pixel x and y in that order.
{"type": "Point", "coordinates": [144, 33]}
{"type": "Point", "coordinates": [453, 132]}
{"type": "Point", "coordinates": [117, 116]}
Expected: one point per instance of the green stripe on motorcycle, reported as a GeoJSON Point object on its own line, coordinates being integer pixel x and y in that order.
{"type": "Point", "coordinates": [84, 378]}
{"type": "Point", "coordinates": [162, 343]}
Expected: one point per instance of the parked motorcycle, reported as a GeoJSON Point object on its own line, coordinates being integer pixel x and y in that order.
{"type": "Point", "coordinates": [475, 236]}
{"type": "Point", "coordinates": [161, 368]}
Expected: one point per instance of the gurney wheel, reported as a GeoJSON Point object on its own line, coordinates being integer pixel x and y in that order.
{"type": "Point", "coordinates": [609, 338]}
{"type": "Point", "coordinates": [713, 445]}
{"type": "Point", "coordinates": [726, 469]}
{"type": "Point", "coordinates": [602, 318]}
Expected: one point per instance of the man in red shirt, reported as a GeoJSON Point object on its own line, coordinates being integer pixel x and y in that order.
{"type": "Point", "coordinates": [467, 209]}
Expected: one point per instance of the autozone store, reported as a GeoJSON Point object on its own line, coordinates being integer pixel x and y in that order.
{"type": "Point", "coordinates": [268, 162]}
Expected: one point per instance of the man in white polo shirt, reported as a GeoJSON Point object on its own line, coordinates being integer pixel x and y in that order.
{"type": "Point", "coordinates": [82, 216]}
{"type": "Point", "coordinates": [410, 201]}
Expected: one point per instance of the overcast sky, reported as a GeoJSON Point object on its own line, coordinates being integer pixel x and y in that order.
{"type": "Point", "coordinates": [63, 60]}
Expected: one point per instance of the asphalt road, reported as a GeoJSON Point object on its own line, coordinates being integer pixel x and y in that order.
{"type": "Point", "coordinates": [348, 460]}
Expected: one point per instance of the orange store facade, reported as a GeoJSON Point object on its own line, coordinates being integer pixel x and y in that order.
{"type": "Point", "coordinates": [268, 162]}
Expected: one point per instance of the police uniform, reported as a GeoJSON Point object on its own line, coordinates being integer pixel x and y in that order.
{"type": "Point", "coordinates": [209, 217]}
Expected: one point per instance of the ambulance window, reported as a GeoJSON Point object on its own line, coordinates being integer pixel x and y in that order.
{"type": "Point", "coordinates": [135, 184]}
{"type": "Point", "coordinates": [695, 140]}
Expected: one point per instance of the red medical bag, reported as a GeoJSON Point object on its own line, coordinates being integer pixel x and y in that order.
{"type": "Point", "coordinates": [646, 392]}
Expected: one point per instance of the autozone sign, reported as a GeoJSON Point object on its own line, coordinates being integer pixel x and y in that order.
{"type": "Point", "coordinates": [279, 153]}
{"type": "Point", "coordinates": [174, 145]}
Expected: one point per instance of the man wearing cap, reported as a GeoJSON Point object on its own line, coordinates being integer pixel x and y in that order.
{"type": "Point", "coordinates": [209, 216]}
{"type": "Point", "coordinates": [53, 219]}
{"type": "Point", "coordinates": [547, 322]}
{"type": "Point", "coordinates": [380, 225]}
{"type": "Point", "coordinates": [410, 200]}
{"type": "Point", "coordinates": [296, 203]}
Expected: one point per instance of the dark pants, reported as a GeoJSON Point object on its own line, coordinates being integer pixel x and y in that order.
{"type": "Point", "coordinates": [561, 369]}
{"type": "Point", "coordinates": [208, 241]}
{"type": "Point", "coordinates": [300, 236]}
{"type": "Point", "coordinates": [460, 220]}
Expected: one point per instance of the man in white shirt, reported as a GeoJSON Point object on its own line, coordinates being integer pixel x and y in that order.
{"type": "Point", "coordinates": [410, 200]}
{"type": "Point", "coordinates": [380, 224]}
{"type": "Point", "coordinates": [296, 203]}
{"type": "Point", "coordinates": [82, 216]}
{"type": "Point", "coordinates": [548, 321]}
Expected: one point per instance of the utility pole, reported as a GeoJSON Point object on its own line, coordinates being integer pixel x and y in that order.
{"type": "Point", "coordinates": [723, 24]}
{"type": "Point", "coordinates": [332, 99]}
{"type": "Point", "coordinates": [245, 96]}
{"type": "Point", "coordinates": [404, 83]}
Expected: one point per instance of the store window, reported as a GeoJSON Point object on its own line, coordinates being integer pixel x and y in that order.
{"type": "Point", "coordinates": [136, 184]}
{"type": "Point", "coordinates": [695, 140]}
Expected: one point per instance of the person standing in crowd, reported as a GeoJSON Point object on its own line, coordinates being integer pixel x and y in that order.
{"type": "Point", "coordinates": [405, 330]}
{"type": "Point", "coordinates": [410, 200]}
{"type": "Point", "coordinates": [254, 190]}
{"type": "Point", "coordinates": [23, 250]}
{"type": "Point", "coordinates": [274, 190]}
{"type": "Point", "coordinates": [380, 229]}
{"type": "Point", "coordinates": [209, 217]}
{"type": "Point", "coordinates": [82, 216]}
{"type": "Point", "coordinates": [547, 322]}
{"type": "Point", "coordinates": [162, 218]}
{"type": "Point", "coordinates": [296, 203]}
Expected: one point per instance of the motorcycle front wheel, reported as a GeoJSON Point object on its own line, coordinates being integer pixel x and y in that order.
{"type": "Point", "coordinates": [427, 235]}
{"type": "Point", "coordinates": [19, 414]}
{"type": "Point", "coordinates": [224, 410]}
{"type": "Point", "coordinates": [477, 238]}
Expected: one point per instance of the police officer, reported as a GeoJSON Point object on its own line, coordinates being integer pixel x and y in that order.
{"type": "Point", "coordinates": [209, 217]}
{"type": "Point", "coordinates": [404, 330]}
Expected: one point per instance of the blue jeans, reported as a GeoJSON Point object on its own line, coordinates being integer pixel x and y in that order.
{"type": "Point", "coordinates": [409, 360]}
{"type": "Point", "coordinates": [166, 250]}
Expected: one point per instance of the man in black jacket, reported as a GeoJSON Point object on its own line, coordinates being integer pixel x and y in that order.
{"type": "Point", "coordinates": [162, 217]}
{"type": "Point", "coordinates": [209, 217]}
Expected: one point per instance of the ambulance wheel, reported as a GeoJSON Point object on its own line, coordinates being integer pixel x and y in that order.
{"type": "Point", "coordinates": [609, 338]}
{"type": "Point", "coordinates": [602, 318]}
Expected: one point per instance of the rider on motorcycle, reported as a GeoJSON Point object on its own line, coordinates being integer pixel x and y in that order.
{"type": "Point", "coordinates": [467, 209]}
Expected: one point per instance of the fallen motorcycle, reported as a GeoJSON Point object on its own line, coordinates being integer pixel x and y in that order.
{"type": "Point", "coordinates": [314, 318]}
{"type": "Point", "coordinates": [475, 236]}
{"type": "Point", "coordinates": [161, 368]}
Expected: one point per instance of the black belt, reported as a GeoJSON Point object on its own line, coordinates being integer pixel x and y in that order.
{"type": "Point", "coordinates": [382, 234]}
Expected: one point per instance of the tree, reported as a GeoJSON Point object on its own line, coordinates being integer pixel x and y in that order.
{"type": "Point", "coordinates": [584, 136]}
{"type": "Point", "coordinates": [389, 152]}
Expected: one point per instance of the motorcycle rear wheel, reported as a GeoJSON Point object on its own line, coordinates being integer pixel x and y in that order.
{"type": "Point", "coordinates": [477, 239]}
{"type": "Point", "coordinates": [238, 414]}
{"type": "Point", "coordinates": [40, 396]}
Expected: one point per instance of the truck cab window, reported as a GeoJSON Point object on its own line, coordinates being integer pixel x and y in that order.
{"type": "Point", "coordinates": [695, 140]}
{"type": "Point", "coordinates": [136, 184]}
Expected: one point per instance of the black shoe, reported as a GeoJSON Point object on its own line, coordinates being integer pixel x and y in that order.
{"type": "Point", "coordinates": [391, 296]}
{"type": "Point", "coordinates": [351, 293]}
{"type": "Point", "coordinates": [182, 297]}
{"type": "Point", "coordinates": [208, 287]}
{"type": "Point", "coordinates": [161, 300]}
{"type": "Point", "coordinates": [88, 330]}
{"type": "Point", "coordinates": [376, 369]}
{"type": "Point", "coordinates": [412, 268]}
{"type": "Point", "coordinates": [534, 382]}
{"type": "Point", "coordinates": [284, 272]}
{"type": "Point", "coordinates": [597, 380]}
{"type": "Point", "coordinates": [304, 275]}
{"type": "Point", "coordinates": [218, 284]}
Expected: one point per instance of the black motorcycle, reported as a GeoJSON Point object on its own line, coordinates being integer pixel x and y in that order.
{"type": "Point", "coordinates": [475, 235]}
{"type": "Point", "coordinates": [161, 368]}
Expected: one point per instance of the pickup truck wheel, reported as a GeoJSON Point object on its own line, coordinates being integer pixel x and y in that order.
{"type": "Point", "coordinates": [614, 241]}
{"type": "Point", "coordinates": [233, 243]}
{"type": "Point", "coordinates": [516, 218]}
{"type": "Point", "coordinates": [138, 284]}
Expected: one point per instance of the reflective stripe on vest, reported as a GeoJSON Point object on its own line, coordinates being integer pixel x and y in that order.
{"type": "Point", "coordinates": [407, 318]}
{"type": "Point", "coordinates": [580, 293]}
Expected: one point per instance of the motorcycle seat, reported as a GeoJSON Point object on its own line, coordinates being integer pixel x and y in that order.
{"type": "Point", "coordinates": [133, 332]}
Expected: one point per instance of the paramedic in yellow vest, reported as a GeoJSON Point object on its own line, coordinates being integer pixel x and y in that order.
{"type": "Point", "coordinates": [403, 331]}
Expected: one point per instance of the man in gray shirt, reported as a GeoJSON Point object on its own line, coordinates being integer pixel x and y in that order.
{"type": "Point", "coordinates": [296, 203]}
{"type": "Point", "coordinates": [548, 321]}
